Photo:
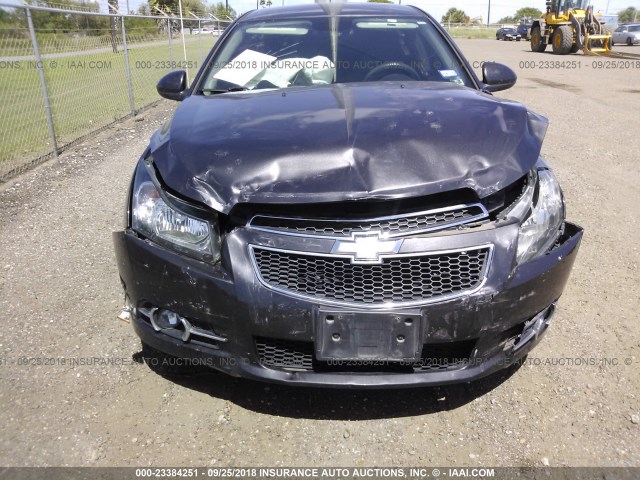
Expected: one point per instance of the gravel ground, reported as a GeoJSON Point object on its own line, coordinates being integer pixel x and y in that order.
{"type": "Point", "coordinates": [59, 294]}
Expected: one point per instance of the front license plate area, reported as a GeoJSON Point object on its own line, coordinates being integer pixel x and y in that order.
{"type": "Point", "coordinates": [367, 336]}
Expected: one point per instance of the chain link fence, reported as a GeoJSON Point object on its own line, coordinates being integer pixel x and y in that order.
{"type": "Point", "coordinates": [58, 85]}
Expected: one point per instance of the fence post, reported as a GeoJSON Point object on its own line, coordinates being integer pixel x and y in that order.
{"type": "Point", "coordinates": [43, 83]}
{"type": "Point", "coordinates": [127, 68]}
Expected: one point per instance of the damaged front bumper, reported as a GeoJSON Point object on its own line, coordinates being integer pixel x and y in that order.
{"type": "Point", "coordinates": [236, 324]}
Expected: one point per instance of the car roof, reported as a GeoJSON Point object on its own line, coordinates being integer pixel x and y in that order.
{"type": "Point", "coordinates": [330, 9]}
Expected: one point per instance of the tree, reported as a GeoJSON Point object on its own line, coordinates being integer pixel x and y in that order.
{"type": "Point", "coordinates": [113, 24]}
{"type": "Point", "coordinates": [65, 23]}
{"type": "Point", "coordinates": [220, 11]}
{"type": "Point", "coordinates": [504, 20]}
{"type": "Point", "coordinates": [527, 13]}
{"type": "Point", "coordinates": [195, 7]}
{"type": "Point", "coordinates": [379, 1]}
{"type": "Point", "coordinates": [629, 14]}
{"type": "Point", "coordinates": [454, 15]}
{"type": "Point", "coordinates": [171, 6]}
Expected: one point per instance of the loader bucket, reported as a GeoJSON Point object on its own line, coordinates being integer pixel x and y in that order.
{"type": "Point", "coordinates": [597, 44]}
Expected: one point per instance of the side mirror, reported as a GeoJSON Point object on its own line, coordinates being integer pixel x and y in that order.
{"type": "Point", "coordinates": [173, 85]}
{"type": "Point", "coordinates": [496, 77]}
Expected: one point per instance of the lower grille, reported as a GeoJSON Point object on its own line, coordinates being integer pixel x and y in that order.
{"type": "Point", "coordinates": [445, 356]}
{"type": "Point", "coordinates": [292, 355]}
{"type": "Point", "coordinates": [397, 279]}
{"type": "Point", "coordinates": [285, 355]}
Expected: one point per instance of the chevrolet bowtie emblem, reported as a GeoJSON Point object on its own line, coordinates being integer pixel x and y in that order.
{"type": "Point", "coordinates": [366, 248]}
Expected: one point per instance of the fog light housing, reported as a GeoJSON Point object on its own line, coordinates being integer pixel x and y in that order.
{"type": "Point", "coordinates": [166, 319]}
{"type": "Point", "coordinates": [171, 323]}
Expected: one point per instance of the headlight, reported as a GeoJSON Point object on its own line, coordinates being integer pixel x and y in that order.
{"type": "Point", "coordinates": [162, 223]}
{"type": "Point", "coordinates": [541, 227]}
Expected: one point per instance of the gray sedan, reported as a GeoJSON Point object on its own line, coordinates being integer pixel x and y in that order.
{"type": "Point", "coordinates": [629, 34]}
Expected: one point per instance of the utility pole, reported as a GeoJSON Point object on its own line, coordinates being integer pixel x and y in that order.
{"type": "Point", "coordinates": [606, 12]}
{"type": "Point", "coordinates": [489, 14]}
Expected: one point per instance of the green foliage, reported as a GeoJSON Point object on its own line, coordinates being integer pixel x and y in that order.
{"type": "Point", "coordinates": [220, 11]}
{"type": "Point", "coordinates": [528, 13]}
{"type": "Point", "coordinates": [172, 6]}
{"type": "Point", "coordinates": [12, 24]}
{"type": "Point", "coordinates": [628, 15]}
{"type": "Point", "coordinates": [65, 23]}
{"type": "Point", "coordinates": [505, 20]}
{"type": "Point", "coordinates": [454, 15]}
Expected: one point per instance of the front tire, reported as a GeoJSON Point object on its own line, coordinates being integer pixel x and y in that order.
{"type": "Point", "coordinates": [629, 41]}
{"type": "Point", "coordinates": [537, 43]}
{"type": "Point", "coordinates": [562, 40]}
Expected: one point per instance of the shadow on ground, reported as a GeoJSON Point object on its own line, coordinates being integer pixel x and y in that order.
{"type": "Point", "coordinates": [331, 403]}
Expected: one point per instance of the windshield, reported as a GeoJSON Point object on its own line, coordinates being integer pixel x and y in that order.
{"type": "Point", "coordinates": [572, 4]}
{"type": "Point", "coordinates": [308, 51]}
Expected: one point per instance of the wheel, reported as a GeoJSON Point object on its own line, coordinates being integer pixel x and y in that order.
{"type": "Point", "coordinates": [391, 68]}
{"type": "Point", "coordinates": [562, 40]}
{"type": "Point", "coordinates": [575, 48]}
{"type": "Point", "coordinates": [517, 39]}
{"type": "Point", "coordinates": [629, 41]}
{"type": "Point", "coordinates": [537, 43]}
{"type": "Point", "coordinates": [612, 42]}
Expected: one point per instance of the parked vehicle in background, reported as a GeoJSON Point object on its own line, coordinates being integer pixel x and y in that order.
{"type": "Point", "coordinates": [207, 31]}
{"type": "Point", "coordinates": [628, 34]}
{"type": "Point", "coordinates": [508, 34]}
{"type": "Point", "coordinates": [524, 30]}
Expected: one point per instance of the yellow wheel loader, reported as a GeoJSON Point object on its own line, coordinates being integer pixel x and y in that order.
{"type": "Point", "coordinates": [570, 26]}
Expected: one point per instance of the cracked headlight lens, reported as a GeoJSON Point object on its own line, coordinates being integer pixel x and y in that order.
{"type": "Point", "coordinates": [542, 227]}
{"type": "Point", "coordinates": [160, 222]}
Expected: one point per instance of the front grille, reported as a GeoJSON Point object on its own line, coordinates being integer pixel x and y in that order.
{"type": "Point", "coordinates": [295, 355]}
{"type": "Point", "coordinates": [396, 280]}
{"type": "Point", "coordinates": [387, 226]}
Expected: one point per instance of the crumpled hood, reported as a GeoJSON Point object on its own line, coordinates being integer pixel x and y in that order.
{"type": "Point", "coordinates": [345, 142]}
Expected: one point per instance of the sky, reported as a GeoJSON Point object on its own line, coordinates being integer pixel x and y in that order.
{"type": "Point", "coordinates": [437, 8]}
{"type": "Point", "coordinates": [473, 8]}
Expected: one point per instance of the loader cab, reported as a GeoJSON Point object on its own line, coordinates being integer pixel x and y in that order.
{"type": "Point", "coordinates": [560, 6]}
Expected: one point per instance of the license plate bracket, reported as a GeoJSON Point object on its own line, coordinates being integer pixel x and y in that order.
{"type": "Point", "coordinates": [354, 335]}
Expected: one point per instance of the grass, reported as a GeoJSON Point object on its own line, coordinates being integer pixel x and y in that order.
{"type": "Point", "coordinates": [86, 90]}
{"type": "Point", "coordinates": [472, 32]}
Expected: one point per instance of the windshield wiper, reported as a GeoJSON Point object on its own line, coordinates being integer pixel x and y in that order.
{"type": "Point", "coordinates": [223, 90]}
